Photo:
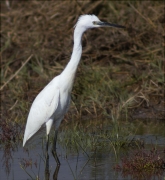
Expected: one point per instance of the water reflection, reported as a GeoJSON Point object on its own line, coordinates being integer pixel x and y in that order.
{"type": "Point", "coordinates": [47, 171]}
{"type": "Point", "coordinates": [97, 163]}
{"type": "Point", "coordinates": [73, 166]}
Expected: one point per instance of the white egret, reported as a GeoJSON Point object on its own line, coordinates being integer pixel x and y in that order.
{"type": "Point", "coordinates": [51, 104]}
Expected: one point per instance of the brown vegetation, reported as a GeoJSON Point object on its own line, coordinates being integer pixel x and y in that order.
{"type": "Point", "coordinates": [121, 72]}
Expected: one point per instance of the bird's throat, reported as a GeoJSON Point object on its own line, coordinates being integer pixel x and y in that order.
{"type": "Point", "coordinates": [69, 72]}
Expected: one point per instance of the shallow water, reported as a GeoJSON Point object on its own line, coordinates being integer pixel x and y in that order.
{"type": "Point", "coordinates": [75, 165]}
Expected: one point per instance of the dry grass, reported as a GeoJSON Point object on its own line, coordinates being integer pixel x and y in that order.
{"type": "Point", "coordinates": [121, 72]}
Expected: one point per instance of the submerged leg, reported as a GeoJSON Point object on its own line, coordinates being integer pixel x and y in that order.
{"type": "Point", "coordinates": [55, 175]}
{"type": "Point", "coordinates": [54, 149]}
{"type": "Point", "coordinates": [47, 174]}
{"type": "Point", "coordinates": [47, 147]}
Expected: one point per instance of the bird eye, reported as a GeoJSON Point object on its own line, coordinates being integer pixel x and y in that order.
{"type": "Point", "coordinates": [94, 22]}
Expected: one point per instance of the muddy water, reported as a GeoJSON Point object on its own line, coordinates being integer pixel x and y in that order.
{"type": "Point", "coordinates": [77, 165]}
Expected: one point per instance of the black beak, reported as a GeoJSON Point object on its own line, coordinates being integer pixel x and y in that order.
{"type": "Point", "coordinates": [110, 25]}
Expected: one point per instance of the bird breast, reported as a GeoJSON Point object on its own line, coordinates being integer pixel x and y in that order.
{"type": "Point", "coordinates": [64, 101]}
{"type": "Point", "coordinates": [62, 108]}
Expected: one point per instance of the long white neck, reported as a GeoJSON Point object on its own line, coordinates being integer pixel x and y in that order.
{"type": "Point", "coordinates": [69, 72]}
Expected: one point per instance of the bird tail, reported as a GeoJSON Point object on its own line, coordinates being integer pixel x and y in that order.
{"type": "Point", "coordinates": [33, 138]}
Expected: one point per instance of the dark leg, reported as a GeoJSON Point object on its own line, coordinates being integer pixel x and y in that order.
{"type": "Point", "coordinates": [47, 146]}
{"type": "Point", "coordinates": [55, 175]}
{"type": "Point", "coordinates": [47, 159]}
{"type": "Point", "coordinates": [54, 149]}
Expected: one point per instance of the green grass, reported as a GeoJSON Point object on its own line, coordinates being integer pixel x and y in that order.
{"type": "Point", "coordinates": [104, 135]}
{"type": "Point", "coordinates": [119, 70]}
{"type": "Point", "coordinates": [120, 77]}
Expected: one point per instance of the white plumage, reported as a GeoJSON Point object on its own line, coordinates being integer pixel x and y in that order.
{"type": "Point", "coordinates": [51, 104]}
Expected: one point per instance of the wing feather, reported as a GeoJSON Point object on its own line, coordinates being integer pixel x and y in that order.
{"type": "Point", "coordinates": [41, 110]}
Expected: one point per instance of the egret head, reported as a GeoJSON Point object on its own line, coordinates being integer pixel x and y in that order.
{"type": "Point", "coordinates": [92, 21]}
